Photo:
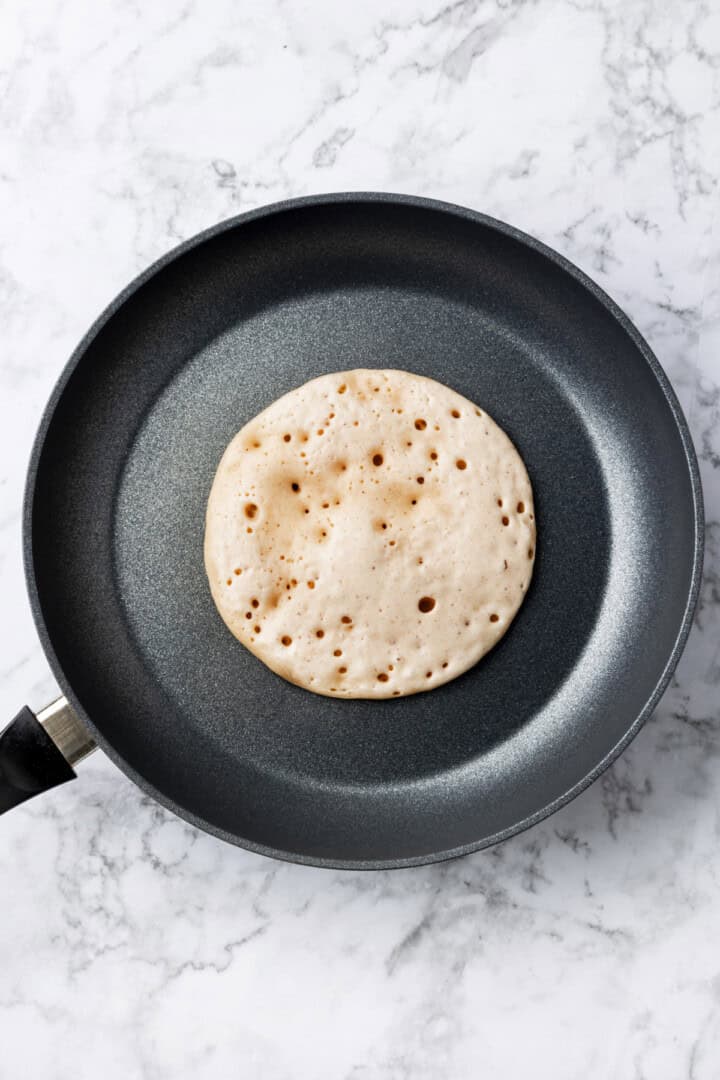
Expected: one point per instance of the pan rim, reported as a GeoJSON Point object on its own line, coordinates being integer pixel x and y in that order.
{"type": "Point", "coordinates": [477, 218]}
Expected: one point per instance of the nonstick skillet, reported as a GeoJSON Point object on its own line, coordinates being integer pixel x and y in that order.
{"type": "Point", "coordinates": [114, 518]}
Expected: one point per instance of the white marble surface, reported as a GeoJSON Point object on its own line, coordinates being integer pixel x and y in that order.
{"type": "Point", "coordinates": [130, 945]}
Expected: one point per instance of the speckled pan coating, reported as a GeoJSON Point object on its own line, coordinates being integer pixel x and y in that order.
{"type": "Point", "coordinates": [208, 337]}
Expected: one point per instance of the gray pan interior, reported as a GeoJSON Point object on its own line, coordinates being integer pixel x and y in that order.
{"type": "Point", "coordinates": [212, 334]}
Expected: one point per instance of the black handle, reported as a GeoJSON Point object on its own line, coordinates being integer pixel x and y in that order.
{"type": "Point", "coordinates": [30, 762]}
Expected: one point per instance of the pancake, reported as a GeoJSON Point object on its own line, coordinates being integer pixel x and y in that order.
{"type": "Point", "coordinates": [371, 534]}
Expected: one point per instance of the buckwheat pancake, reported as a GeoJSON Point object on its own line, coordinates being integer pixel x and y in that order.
{"type": "Point", "coordinates": [371, 534]}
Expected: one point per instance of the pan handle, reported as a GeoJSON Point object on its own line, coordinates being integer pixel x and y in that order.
{"type": "Point", "coordinates": [38, 752]}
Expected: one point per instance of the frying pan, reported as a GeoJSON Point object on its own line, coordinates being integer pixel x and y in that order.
{"type": "Point", "coordinates": [114, 518]}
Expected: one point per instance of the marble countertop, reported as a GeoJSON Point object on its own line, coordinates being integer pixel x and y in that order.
{"type": "Point", "coordinates": [134, 947]}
